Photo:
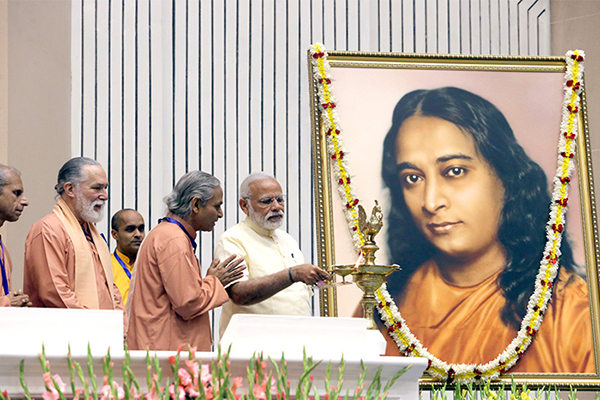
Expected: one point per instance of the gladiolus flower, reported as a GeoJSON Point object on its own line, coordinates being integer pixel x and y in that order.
{"type": "Point", "coordinates": [259, 392]}
{"type": "Point", "coordinates": [236, 383]}
{"type": "Point", "coordinates": [52, 394]}
{"type": "Point", "coordinates": [205, 375]}
{"type": "Point", "coordinates": [185, 379]}
{"type": "Point", "coordinates": [209, 393]}
{"type": "Point", "coordinates": [180, 390]}
{"type": "Point", "coordinates": [106, 391]}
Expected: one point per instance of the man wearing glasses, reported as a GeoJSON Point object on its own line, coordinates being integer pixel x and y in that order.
{"type": "Point", "coordinates": [276, 278]}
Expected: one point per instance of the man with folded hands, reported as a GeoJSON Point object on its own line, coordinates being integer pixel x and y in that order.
{"type": "Point", "coordinates": [169, 300]}
{"type": "Point", "coordinates": [12, 204]}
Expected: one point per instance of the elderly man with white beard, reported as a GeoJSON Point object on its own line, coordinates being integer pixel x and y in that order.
{"type": "Point", "coordinates": [275, 281]}
{"type": "Point", "coordinates": [67, 262]}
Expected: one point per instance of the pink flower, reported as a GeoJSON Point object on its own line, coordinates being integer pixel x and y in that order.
{"type": "Point", "coordinates": [209, 393]}
{"type": "Point", "coordinates": [60, 383]}
{"type": "Point", "coordinates": [52, 393]}
{"type": "Point", "coordinates": [192, 392]}
{"type": "Point", "coordinates": [49, 395]}
{"type": "Point", "coordinates": [133, 394]}
{"type": "Point", "coordinates": [194, 367]}
{"type": "Point", "coordinates": [205, 376]}
{"type": "Point", "coordinates": [106, 391]}
{"type": "Point", "coordinates": [235, 385]}
{"type": "Point", "coordinates": [273, 384]}
{"type": "Point", "coordinates": [259, 392]}
{"type": "Point", "coordinates": [180, 390]}
{"type": "Point", "coordinates": [151, 396]}
{"type": "Point", "coordinates": [185, 379]}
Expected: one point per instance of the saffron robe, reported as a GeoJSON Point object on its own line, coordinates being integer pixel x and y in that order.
{"type": "Point", "coordinates": [169, 300]}
{"type": "Point", "coordinates": [51, 271]}
{"type": "Point", "coordinates": [463, 325]}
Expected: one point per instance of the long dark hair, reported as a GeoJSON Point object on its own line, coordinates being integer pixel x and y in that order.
{"type": "Point", "coordinates": [526, 203]}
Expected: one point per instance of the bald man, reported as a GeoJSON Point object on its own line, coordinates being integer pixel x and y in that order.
{"type": "Point", "coordinates": [12, 204]}
{"type": "Point", "coordinates": [128, 229]}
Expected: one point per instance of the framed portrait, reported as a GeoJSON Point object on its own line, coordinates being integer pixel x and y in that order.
{"type": "Point", "coordinates": [464, 156]}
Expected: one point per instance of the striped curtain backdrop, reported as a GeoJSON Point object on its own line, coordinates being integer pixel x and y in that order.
{"type": "Point", "coordinates": [161, 87]}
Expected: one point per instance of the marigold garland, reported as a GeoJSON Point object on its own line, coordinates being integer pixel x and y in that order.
{"type": "Point", "coordinates": [538, 302]}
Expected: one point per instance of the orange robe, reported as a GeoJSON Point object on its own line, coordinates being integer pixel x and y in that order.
{"type": "Point", "coordinates": [50, 269]}
{"type": "Point", "coordinates": [168, 299]}
{"type": "Point", "coordinates": [4, 301]}
{"type": "Point", "coordinates": [463, 325]}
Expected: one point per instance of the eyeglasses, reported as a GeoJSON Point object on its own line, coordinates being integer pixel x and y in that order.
{"type": "Point", "coordinates": [266, 201]}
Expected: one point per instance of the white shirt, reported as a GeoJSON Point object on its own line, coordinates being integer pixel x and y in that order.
{"type": "Point", "coordinates": [265, 252]}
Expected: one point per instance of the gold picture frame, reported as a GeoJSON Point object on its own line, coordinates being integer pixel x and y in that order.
{"type": "Point", "coordinates": [529, 93]}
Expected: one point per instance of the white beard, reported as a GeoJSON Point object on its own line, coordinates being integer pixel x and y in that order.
{"type": "Point", "coordinates": [86, 208]}
{"type": "Point", "coordinates": [263, 222]}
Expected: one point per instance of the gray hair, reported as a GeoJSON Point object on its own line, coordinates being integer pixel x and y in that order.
{"type": "Point", "coordinates": [3, 175]}
{"type": "Point", "coordinates": [245, 191]}
{"type": "Point", "coordinates": [193, 184]}
{"type": "Point", "coordinates": [72, 171]}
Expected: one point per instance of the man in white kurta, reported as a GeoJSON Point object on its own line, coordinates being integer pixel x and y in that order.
{"type": "Point", "coordinates": [276, 278]}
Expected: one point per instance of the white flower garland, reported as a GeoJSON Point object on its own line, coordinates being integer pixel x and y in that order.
{"type": "Point", "coordinates": [335, 147]}
{"type": "Point", "coordinates": [538, 302]}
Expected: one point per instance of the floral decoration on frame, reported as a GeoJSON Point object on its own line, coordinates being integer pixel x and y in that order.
{"type": "Point", "coordinates": [407, 343]}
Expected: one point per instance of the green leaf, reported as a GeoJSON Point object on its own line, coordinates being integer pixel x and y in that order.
{"type": "Point", "coordinates": [91, 373]}
{"type": "Point", "coordinates": [22, 379]}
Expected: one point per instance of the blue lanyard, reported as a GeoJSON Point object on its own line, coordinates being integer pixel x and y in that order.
{"type": "Point", "coordinates": [174, 221]}
{"type": "Point", "coordinates": [88, 235]}
{"type": "Point", "coordinates": [4, 278]}
{"type": "Point", "coordinates": [122, 265]}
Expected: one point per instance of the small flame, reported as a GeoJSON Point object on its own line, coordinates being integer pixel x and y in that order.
{"type": "Point", "coordinates": [359, 261]}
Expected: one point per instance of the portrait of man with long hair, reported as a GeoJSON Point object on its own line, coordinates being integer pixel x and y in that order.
{"type": "Point", "coordinates": [467, 224]}
{"type": "Point", "coordinates": [462, 164]}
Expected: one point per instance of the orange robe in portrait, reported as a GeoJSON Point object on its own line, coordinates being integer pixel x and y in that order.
{"type": "Point", "coordinates": [463, 325]}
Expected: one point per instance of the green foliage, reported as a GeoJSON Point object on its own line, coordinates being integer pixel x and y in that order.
{"type": "Point", "coordinates": [215, 382]}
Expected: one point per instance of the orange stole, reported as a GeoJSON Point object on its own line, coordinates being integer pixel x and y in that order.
{"type": "Point", "coordinates": [463, 325]}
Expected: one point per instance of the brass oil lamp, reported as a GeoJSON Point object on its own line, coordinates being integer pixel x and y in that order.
{"type": "Point", "coordinates": [367, 275]}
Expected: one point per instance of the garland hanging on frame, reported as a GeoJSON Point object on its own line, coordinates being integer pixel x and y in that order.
{"type": "Point", "coordinates": [407, 343]}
